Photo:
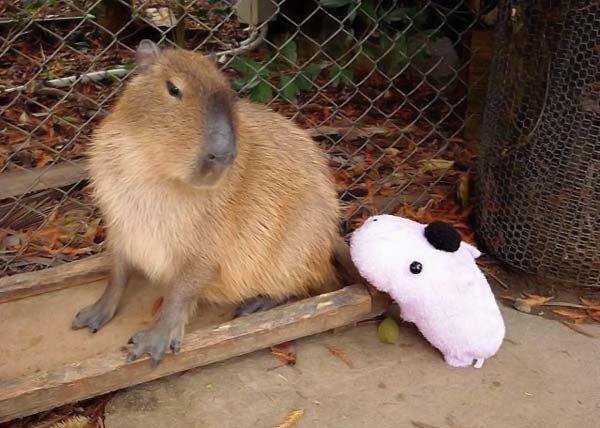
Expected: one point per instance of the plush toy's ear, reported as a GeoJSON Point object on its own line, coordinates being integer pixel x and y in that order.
{"type": "Point", "coordinates": [474, 251]}
{"type": "Point", "coordinates": [442, 236]}
{"type": "Point", "coordinates": [146, 54]}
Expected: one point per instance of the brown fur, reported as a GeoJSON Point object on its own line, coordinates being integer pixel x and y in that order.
{"type": "Point", "coordinates": [267, 228]}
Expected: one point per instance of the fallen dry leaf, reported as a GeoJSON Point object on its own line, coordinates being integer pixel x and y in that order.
{"type": "Point", "coordinates": [74, 251]}
{"type": "Point", "coordinates": [418, 424]}
{"type": "Point", "coordinates": [589, 304]}
{"type": "Point", "coordinates": [24, 117]}
{"type": "Point", "coordinates": [535, 300]}
{"type": "Point", "coordinates": [575, 316]}
{"type": "Point", "coordinates": [291, 419]}
{"type": "Point", "coordinates": [92, 230]}
{"type": "Point", "coordinates": [73, 422]}
{"type": "Point", "coordinates": [525, 304]}
{"type": "Point", "coordinates": [595, 315]}
{"type": "Point", "coordinates": [285, 352]}
{"type": "Point", "coordinates": [339, 353]}
{"type": "Point", "coordinates": [43, 160]}
{"type": "Point", "coordinates": [462, 190]}
{"type": "Point", "coordinates": [577, 329]}
{"type": "Point", "coordinates": [349, 133]}
{"type": "Point", "coordinates": [436, 164]}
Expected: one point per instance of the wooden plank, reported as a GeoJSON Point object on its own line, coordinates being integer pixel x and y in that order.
{"type": "Point", "coordinates": [16, 183]}
{"type": "Point", "coordinates": [25, 395]}
{"type": "Point", "coordinates": [481, 57]}
{"type": "Point", "coordinates": [32, 283]}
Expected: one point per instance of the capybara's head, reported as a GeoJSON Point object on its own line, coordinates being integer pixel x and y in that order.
{"type": "Point", "coordinates": [180, 116]}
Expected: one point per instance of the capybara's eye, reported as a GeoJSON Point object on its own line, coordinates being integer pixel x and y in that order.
{"type": "Point", "coordinates": [416, 268]}
{"type": "Point", "coordinates": [173, 90]}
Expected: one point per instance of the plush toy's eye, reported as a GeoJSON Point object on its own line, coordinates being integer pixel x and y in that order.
{"type": "Point", "coordinates": [416, 268]}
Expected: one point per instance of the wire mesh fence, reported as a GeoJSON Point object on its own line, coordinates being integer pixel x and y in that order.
{"type": "Point", "coordinates": [540, 154]}
{"type": "Point", "coordinates": [381, 85]}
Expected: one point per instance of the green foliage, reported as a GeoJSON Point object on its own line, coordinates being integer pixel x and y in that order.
{"type": "Point", "coordinates": [394, 55]}
{"type": "Point", "coordinates": [373, 11]}
{"type": "Point", "coordinates": [333, 4]}
{"type": "Point", "coordinates": [282, 73]}
{"type": "Point", "coordinates": [289, 88]}
{"type": "Point", "coordinates": [341, 76]}
{"type": "Point", "coordinates": [289, 50]}
{"type": "Point", "coordinates": [262, 92]}
{"type": "Point", "coordinates": [254, 78]}
{"type": "Point", "coordinates": [367, 10]}
{"type": "Point", "coordinates": [390, 35]}
{"type": "Point", "coordinates": [31, 5]}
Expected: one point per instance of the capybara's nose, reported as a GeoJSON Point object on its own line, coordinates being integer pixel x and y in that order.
{"type": "Point", "coordinates": [225, 158]}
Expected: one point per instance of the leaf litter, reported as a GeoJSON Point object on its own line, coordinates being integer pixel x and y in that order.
{"type": "Point", "coordinates": [292, 419]}
{"type": "Point", "coordinates": [341, 354]}
{"type": "Point", "coordinates": [377, 151]}
{"type": "Point", "coordinates": [285, 352]}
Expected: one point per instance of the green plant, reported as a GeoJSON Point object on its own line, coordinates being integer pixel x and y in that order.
{"type": "Point", "coordinates": [375, 11]}
{"type": "Point", "coordinates": [284, 73]}
{"type": "Point", "coordinates": [390, 35]}
{"type": "Point", "coordinates": [343, 76]}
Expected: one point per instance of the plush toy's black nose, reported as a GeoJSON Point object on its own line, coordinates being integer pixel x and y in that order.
{"type": "Point", "coordinates": [442, 236]}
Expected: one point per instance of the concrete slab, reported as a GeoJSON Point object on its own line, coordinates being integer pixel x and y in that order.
{"type": "Point", "coordinates": [546, 375]}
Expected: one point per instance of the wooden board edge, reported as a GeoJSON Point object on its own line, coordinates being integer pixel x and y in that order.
{"type": "Point", "coordinates": [28, 284]}
{"type": "Point", "coordinates": [30, 180]}
{"type": "Point", "coordinates": [30, 394]}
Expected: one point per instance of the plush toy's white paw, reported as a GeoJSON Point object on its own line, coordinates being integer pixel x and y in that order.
{"type": "Point", "coordinates": [479, 363]}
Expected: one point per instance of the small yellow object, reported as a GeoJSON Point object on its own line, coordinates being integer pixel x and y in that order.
{"type": "Point", "coordinates": [73, 422]}
{"type": "Point", "coordinates": [291, 419]}
{"type": "Point", "coordinates": [388, 331]}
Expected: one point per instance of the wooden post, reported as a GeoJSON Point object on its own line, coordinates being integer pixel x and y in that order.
{"type": "Point", "coordinates": [481, 57]}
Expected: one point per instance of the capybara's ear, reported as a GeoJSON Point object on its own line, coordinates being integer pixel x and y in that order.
{"type": "Point", "coordinates": [146, 54]}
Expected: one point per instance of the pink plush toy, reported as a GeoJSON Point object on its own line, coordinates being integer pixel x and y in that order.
{"type": "Point", "coordinates": [433, 277]}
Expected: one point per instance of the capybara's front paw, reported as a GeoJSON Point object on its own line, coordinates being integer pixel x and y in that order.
{"type": "Point", "coordinates": [93, 317]}
{"type": "Point", "coordinates": [155, 342]}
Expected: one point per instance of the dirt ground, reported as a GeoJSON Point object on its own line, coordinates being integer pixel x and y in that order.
{"type": "Point", "coordinates": [545, 376]}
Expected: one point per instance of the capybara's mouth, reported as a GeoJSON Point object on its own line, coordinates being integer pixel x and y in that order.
{"type": "Point", "coordinates": [208, 174]}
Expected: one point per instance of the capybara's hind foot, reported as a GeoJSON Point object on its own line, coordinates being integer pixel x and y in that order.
{"type": "Point", "coordinates": [254, 305]}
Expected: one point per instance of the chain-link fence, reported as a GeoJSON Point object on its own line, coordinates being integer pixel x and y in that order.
{"type": "Point", "coordinates": [381, 85]}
